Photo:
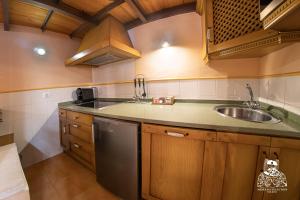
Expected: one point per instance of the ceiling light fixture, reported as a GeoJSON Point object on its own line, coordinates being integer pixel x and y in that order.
{"type": "Point", "coordinates": [39, 51]}
{"type": "Point", "coordinates": [165, 45]}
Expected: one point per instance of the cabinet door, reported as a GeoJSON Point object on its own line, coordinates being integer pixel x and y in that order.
{"type": "Point", "coordinates": [205, 10]}
{"type": "Point", "coordinates": [288, 153]}
{"type": "Point", "coordinates": [243, 156]}
{"type": "Point", "coordinates": [64, 139]}
{"type": "Point", "coordinates": [172, 161]}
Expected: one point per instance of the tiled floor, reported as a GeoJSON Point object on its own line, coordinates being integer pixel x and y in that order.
{"type": "Point", "coordinates": [62, 178]}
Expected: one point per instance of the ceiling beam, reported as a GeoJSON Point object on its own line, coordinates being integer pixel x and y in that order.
{"type": "Point", "coordinates": [47, 18]}
{"type": "Point", "coordinates": [103, 12]}
{"type": "Point", "coordinates": [63, 8]}
{"type": "Point", "coordinates": [138, 9]}
{"type": "Point", "coordinates": [5, 11]}
{"type": "Point", "coordinates": [168, 12]}
{"type": "Point", "coordinates": [98, 16]}
{"type": "Point", "coordinates": [81, 29]}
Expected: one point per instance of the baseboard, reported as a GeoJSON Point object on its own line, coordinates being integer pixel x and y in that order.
{"type": "Point", "coordinates": [6, 139]}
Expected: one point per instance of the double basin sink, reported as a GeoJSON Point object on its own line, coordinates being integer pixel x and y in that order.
{"type": "Point", "coordinates": [246, 113]}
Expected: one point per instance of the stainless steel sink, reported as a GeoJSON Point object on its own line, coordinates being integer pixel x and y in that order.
{"type": "Point", "coordinates": [245, 113]}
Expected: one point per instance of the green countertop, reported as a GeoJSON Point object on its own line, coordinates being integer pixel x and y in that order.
{"type": "Point", "coordinates": [190, 115]}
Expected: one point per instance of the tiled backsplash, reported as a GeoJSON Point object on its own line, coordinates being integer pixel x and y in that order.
{"type": "Point", "coordinates": [283, 92]}
{"type": "Point", "coordinates": [279, 91]}
{"type": "Point", "coordinates": [227, 89]}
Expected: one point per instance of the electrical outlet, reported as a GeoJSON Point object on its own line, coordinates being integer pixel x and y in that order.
{"type": "Point", "coordinates": [46, 95]}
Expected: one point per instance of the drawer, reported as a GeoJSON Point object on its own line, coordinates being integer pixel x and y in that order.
{"type": "Point", "coordinates": [180, 132]}
{"type": "Point", "coordinates": [79, 118]}
{"type": "Point", "coordinates": [81, 131]}
{"type": "Point", "coordinates": [86, 147]}
{"type": "Point", "coordinates": [79, 151]}
{"type": "Point", "coordinates": [62, 114]}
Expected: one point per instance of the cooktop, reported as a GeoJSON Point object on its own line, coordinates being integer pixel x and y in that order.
{"type": "Point", "coordinates": [97, 104]}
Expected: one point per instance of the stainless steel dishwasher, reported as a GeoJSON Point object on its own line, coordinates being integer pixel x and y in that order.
{"type": "Point", "coordinates": [117, 149]}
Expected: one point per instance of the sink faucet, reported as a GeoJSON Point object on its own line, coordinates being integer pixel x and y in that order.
{"type": "Point", "coordinates": [252, 103]}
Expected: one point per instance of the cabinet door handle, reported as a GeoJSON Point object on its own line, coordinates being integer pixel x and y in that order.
{"type": "Point", "coordinates": [93, 133]}
{"type": "Point", "coordinates": [64, 129]}
{"type": "Point", "coordinates": [77, 146]}
{"type": "Point", "coordinates": [174, 134]}
{"type": "Point", "coordinates": [75, 117]}
{"type": "Point", "coordinates": [75, 126]}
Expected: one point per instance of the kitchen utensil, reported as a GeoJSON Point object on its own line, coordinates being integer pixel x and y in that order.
{"type": "Point", "coordinates": [135, 95]}
{"type": "Point", "coordinates": [144, 91]}
{"type": "Point", "coordinates": [139, 82]}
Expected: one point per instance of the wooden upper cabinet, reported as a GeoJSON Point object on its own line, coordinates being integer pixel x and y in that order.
{"type": "Point", "coordinates": [172, 161]}
{"type": "Point", "coordinates": [203, 11]}
{"type": "Point", "coordinates": [232, 29]}
{"type": "Point", "coordinates": [284, 17]}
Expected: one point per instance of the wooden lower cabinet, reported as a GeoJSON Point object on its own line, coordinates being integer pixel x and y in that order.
{"type": "Point", "coordinates": [242, 158]}
{"type": "Point", "coordinates": [76, 137]}
{"type": "Point", "coordinates": [172, 161]}
{"type": "Point", "coordinates": [288, 153]}
{"type": "Point", "coordinates": [187, 164]}
{"type": "Point", "coordinates": [64, 134]}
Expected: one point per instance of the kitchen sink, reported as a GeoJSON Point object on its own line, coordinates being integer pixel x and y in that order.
{"type": "Point", "coordinates": [245, 113]}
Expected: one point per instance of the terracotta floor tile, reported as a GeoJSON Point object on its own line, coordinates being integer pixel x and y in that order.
{"type": "Point", "coordinates": [62, 178]}
{"type": "Point", "coordinates": [84, 180]}
{"type": "Point", "coordinates": [66, 189]}
{"type": "Point", "coordinates": [37, 185]}
{"type": "Point", "coordinates": [35, 171]}
{"type": "Point", "coordinates": [44, 194]}
{"type": "Point", "coordinates": [96, 193]}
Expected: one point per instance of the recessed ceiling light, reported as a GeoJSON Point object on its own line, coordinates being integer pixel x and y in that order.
{"type": "Point", "coordinates": [39, 51]}
{"type": "Point", "coordinates": [165, 44]}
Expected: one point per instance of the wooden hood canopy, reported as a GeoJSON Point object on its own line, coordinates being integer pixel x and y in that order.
{"type": "Point", "coordinates": [106, 43]}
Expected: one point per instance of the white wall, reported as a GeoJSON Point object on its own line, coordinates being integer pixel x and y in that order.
{"type": "Point", "coordinates": [32, 117]}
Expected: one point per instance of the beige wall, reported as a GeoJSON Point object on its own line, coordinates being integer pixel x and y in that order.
{"type": "Point", "coordinates": [32, 115]}
{"type": "Point", "coordinates": [286, 60]}
{"type": "Point", "coordinates": [182, 59]}
{"type": "Point", "coordinates": [21, 68]}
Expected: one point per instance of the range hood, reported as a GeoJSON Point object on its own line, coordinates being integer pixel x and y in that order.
{"type": "Point", "coordinates": [106, 43]}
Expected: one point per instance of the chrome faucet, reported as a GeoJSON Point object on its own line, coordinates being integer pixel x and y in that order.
{"type": "Point", "coordinates": [252, 103]}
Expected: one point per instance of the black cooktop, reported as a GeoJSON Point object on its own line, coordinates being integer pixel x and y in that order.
{"type": "Point", "coordinates": [97, 104]}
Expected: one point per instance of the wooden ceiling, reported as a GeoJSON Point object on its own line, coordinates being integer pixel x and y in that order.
{"type": "Point", "coordinates": [76, 17]}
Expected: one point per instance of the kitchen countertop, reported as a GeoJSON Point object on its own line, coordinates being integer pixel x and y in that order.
{"type": "Point", "coordinates": [190, 115]}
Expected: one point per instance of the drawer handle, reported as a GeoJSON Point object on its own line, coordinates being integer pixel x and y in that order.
{"type": "Point", "coordinates": [75, 118]}
{"type": "Point", "coordinates": [174, 134]}
{"type": "Point", "coordinates": [75, 126]}
{"type": "Point", "coordinates": [77, 146]}
{"type": "Point", "coordinates": [61, 113]}
{"type": "Point", "coordinates": [93, 133]}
